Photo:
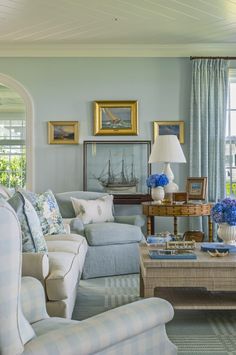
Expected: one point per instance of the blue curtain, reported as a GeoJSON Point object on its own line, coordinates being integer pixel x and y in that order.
{"type": "Point", "coordinates": [207, 127]}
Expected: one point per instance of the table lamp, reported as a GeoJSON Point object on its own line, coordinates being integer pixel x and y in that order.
{"type": "Point", "coordinates": [167, 149]}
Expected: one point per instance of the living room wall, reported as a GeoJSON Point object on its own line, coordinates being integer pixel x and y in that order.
{"type": "Point", "coordinates": [65, 88]}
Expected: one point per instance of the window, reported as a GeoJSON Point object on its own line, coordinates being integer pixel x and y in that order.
{"type": "Point", "coordinates": [230, 147]}
{"type": "Point", "coordinates": [12, 138]}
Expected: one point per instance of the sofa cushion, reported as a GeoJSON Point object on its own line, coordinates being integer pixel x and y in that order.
{"type": "Point", "coordinates": [112, 233]}
{"type": "Point", "coordinates": [32, 235]}
{"type": "Point", "coordinates": [65, 203]}
{"type": "Point", "coordinates": [63, 275]}
{"type": "Point", "coordinates": [70, 243]}
{"type": "Point", "coordinates": [48, 211]}
{"type": "Point", "coordinates": [93, 211]}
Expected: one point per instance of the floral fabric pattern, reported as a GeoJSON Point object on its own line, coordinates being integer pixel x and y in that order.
{"type": "Point", "coordinates": [47, 210]}
{"type": "Point", "coordinates": [32, 236]}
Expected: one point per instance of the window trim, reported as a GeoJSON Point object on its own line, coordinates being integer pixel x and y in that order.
{"type": "Point", "coordinates": [29, 142]}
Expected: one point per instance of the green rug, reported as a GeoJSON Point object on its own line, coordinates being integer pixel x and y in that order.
{"type": "Point", "coordinates": [194, 332]}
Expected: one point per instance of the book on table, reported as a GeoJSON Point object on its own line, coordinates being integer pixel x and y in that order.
{"type": "Point", "coordinates": [172, 254]}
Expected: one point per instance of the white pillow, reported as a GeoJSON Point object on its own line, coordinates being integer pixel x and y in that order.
{"type": "Point", "coordinates": [92, 211]}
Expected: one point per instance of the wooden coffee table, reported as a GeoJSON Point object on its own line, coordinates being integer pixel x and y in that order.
{"type": "Point", "coordinates": [202, 283]}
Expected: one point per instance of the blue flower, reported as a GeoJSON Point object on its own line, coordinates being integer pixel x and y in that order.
{"type": "Point", "coordinates": [224, 212]}
{"type": "Point", "coordinates": [156, 180]}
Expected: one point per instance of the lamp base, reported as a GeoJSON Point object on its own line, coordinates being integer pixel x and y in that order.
{"type": "Point", "coordinates": [171, 187]}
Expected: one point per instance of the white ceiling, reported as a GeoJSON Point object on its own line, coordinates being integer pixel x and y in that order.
{"type": "Point", "coordinates": [117, 27]}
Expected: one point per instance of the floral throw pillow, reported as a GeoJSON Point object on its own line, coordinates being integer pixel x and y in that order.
{"type": "Point", "coordinates": [32, 235]}
{"type": "Point", "coordinates": [47, 210]}
{"type": "Point", "coordinates": [93, 211]}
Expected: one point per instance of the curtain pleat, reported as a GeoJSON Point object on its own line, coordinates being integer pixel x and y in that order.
{"type": "Point", "coordinates": [207, 127]}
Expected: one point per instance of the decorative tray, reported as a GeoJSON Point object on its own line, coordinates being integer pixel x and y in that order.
{"type": "Point", "coordinates": [221, 247]}
{"type": "Point", "coordinates": [171, 254]}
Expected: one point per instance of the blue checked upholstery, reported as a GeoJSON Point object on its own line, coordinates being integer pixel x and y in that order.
{"type": "Point", "coordinates": [136, 328]}
{"type": "Point", "coordinates": [15, 331]}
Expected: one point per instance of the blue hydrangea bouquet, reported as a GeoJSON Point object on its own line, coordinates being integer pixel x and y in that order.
{"type": "Point", "coordinates": [156, 180]}
{"type": "Point", "coordinates": [224, 211]}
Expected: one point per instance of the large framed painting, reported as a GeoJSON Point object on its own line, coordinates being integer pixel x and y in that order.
{"type": "Point", "coordinates": [63, 132]}
{"type": "Point", "coordinates": [117, 167]}
{"type": "Point", "coordinates": [115, 118]}
{"type": "Point", "coordinates": [161, 128]}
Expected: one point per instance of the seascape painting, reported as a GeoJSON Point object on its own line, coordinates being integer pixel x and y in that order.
{"type": "Point", "coordinates": [115, 118]}
{"type": "Point", "coordinates": [161, 128]}
{"type": "Point", "coordinates": [63, 132]}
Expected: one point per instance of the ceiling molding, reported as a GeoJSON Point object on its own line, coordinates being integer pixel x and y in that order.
{"type": "Point", "coordinates": [122, 50]}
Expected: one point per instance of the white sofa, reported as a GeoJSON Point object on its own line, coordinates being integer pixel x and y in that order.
{"type": "Point", "coordinates": [136, 328]}
{"type": "Point", "coordinates": [59, 271]}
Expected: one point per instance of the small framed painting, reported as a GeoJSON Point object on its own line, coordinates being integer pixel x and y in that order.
{"type": "Point", "coordinates": [63, 132]}
{"type": "Point", "coordinates": [115, 118]}
{"type": "Point", "coordinates": [196, 188]}
{"type": "Point", "coordinates": [161, 128]}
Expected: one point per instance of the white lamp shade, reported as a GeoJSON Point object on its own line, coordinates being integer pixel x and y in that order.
{"type": "Point", "coordinates": [167, 148]}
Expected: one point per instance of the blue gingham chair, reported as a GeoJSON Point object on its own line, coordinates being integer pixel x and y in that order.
{"type": "Point", "coordinates": [26, 328]}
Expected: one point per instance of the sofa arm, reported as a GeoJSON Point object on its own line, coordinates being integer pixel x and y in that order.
{"type": "Point", "coordinates": [137, 220]}
{"type": "Point", "coordinates": [108, 329]}
{"type": "Point", "coordinates": [77, 226]}
{"type": "Point", "coordinates": [35, 265]}
{"type": "Point", "coordinates": [32, 298]}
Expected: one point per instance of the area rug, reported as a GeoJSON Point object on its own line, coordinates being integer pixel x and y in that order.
{"type": "Point", "coordinates": [194, 332]}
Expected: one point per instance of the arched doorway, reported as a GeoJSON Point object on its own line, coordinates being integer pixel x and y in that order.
{"type": "Point", "coordinates": [17, 136]}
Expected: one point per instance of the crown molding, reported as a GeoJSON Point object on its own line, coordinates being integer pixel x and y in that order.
{"type": "Point", "coordinates": [116, 50]}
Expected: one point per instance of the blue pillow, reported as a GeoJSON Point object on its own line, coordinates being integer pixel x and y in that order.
{"type": "Point", "coordinates": [32, 235]}
{"type": "Point", "coordinates": [47, 210]}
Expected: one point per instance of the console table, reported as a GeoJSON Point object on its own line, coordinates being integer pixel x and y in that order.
{"type": "Point", "coordinates": [150, 209]}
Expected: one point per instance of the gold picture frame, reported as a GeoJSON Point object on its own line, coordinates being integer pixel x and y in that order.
{"type": "Point", "coordinates": [115, 118]}
{"type": "Point", "coordinates": [169, 127]}
{"type": "Point", "coordinates": [63, 132]}
{"type": "Point", "coordinates": [196, 188]}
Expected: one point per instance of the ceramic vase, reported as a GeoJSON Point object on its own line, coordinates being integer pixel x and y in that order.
{"type": "Point", "coordinates": [227, 233]}
{"type": "Point", "coordinates": [158, 194]}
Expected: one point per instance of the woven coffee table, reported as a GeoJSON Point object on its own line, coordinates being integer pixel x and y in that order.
{"type": "Point", "coordinates": [205, 283]}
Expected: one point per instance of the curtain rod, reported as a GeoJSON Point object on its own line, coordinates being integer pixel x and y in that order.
{"type": "Point", "coordinates": [227, 58]}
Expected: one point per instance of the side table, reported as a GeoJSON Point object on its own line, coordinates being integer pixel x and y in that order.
{"type": "Point", "coordinates": [150, 209]}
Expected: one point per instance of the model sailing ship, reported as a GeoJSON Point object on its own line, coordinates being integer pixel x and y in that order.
{"type": "Point", "coordinates": [122, 181]}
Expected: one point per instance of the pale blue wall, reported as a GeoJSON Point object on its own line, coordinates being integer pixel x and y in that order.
{"type": "Point", "coordinates": [64, 89]}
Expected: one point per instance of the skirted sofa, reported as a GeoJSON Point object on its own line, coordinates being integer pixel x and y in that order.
{"type": "Point", "coordinates": [56, 260]}
{"type": "Point", "coordinates": [59, 271]}
{"type": "Point", "coordinates": [113, 247]}
{"type": "Point", "coordinates": [136, 328]}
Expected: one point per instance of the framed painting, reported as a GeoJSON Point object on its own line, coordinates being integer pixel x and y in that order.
{"type": "Point", "coordinates": [161, 128]}
{"type": "Point", "coordinates": [196, 188]}
{"type": "Point", "coordinates": [63, 132]}
{"type": "Point", "coordinates": [117, 167]}
{"type": "Point", "coordinates": [115, 118]}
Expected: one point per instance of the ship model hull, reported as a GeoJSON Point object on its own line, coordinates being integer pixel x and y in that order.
{"type": "Point", "coordinates": [121, 182]}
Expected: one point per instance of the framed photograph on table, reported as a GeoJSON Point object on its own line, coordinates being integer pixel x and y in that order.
{"type": "Point", "coordinates": [196, 188]}
{"type": "Point", "coordinates": [63, 132]}
{"type": "Point", "coordinates": [115, 118]}
{"type": "Point", "coordinates": [117, 167]}
{"type": "Point", "coordinates": [161, 128]}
